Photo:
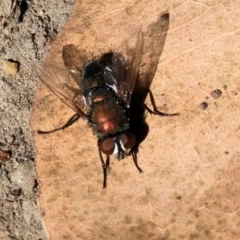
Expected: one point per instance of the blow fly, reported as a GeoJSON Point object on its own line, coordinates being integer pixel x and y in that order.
{"type": "Point", "coordinates": [100, 92]}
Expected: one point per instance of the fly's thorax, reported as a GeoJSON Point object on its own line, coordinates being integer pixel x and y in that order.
{"type": "Point", "coordinates": [92, 78]}
{"type": "Point", "coordinates": [96, 75]}
{"type": "Point", "coordinates": [89, 85]}
{"type": "Point", "coordinates": [93, 68]}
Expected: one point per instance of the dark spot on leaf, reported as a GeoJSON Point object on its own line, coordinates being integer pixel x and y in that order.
{"type": "Point", "coordinates": [216, 93]}
{"type": "Point", "coordinates": [179, 197]}
{"type": "Point", "coordinates": [165, 17]}
{"type": "Point", "coordinates": [203, 105]}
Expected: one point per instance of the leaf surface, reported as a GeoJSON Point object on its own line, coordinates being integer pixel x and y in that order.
{"type": "Point", "coordinates": [190, 188]}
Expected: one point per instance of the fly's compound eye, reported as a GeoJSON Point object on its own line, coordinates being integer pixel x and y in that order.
{"type": "Point", "coordinates": [128, 140]}
{"type": "Point", "coordinates": [107, 146]}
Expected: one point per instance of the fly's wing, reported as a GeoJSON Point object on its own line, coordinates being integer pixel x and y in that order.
{"type": "Point", "coordinates": [125, 64]}
{"type": "Point", "coordinates": [154, 40]}
{"type": "Point", "coordinates": [57, 79]}
{"type": "Point", "coordinates": [74, 60]}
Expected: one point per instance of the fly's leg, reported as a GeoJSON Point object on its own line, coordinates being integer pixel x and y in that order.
{"type": "Point", "coordinates": [105, 167]}
{"type": "Point", "coordinates": [155, 110]}
{"type": "Point", "coordinates": [73, 119]}
{"type": "Point", "coordinates": [134, 156]}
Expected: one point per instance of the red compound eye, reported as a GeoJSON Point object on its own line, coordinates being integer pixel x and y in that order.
{"type": "Point", "coordinates": [107, 146]}
{"type": "Point", "coordinates": [128, 140]}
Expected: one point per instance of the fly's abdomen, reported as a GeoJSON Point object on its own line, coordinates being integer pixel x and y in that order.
{"type": "Point", "coordinates": [108, 116]}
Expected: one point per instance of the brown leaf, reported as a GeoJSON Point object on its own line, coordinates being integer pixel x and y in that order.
{"type": "Point", "coordinates": [190, 185]}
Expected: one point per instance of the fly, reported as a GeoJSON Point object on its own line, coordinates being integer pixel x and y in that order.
{"type": "Point", "coordinates": [100, 92]}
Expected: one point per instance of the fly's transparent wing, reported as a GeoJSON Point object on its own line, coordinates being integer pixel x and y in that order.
{"type": "Point", "coordinates": [56, 78]}
{"type": "Point", "coordinates": [125, 64]}
{"type": "Point", "coordinates": [154, 40]}
{"type": "Point", "coordinates": [75, 60]}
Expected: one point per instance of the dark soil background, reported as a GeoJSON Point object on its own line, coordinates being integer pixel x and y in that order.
{"type": "Point", "coordinates": [27, 30]}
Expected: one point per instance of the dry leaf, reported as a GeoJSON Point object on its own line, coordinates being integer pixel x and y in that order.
{"type": "Point", "coordinates": [190, 186]}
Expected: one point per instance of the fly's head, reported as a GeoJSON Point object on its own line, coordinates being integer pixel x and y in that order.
{"type": "Point", "coordinates": [119, 145]}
